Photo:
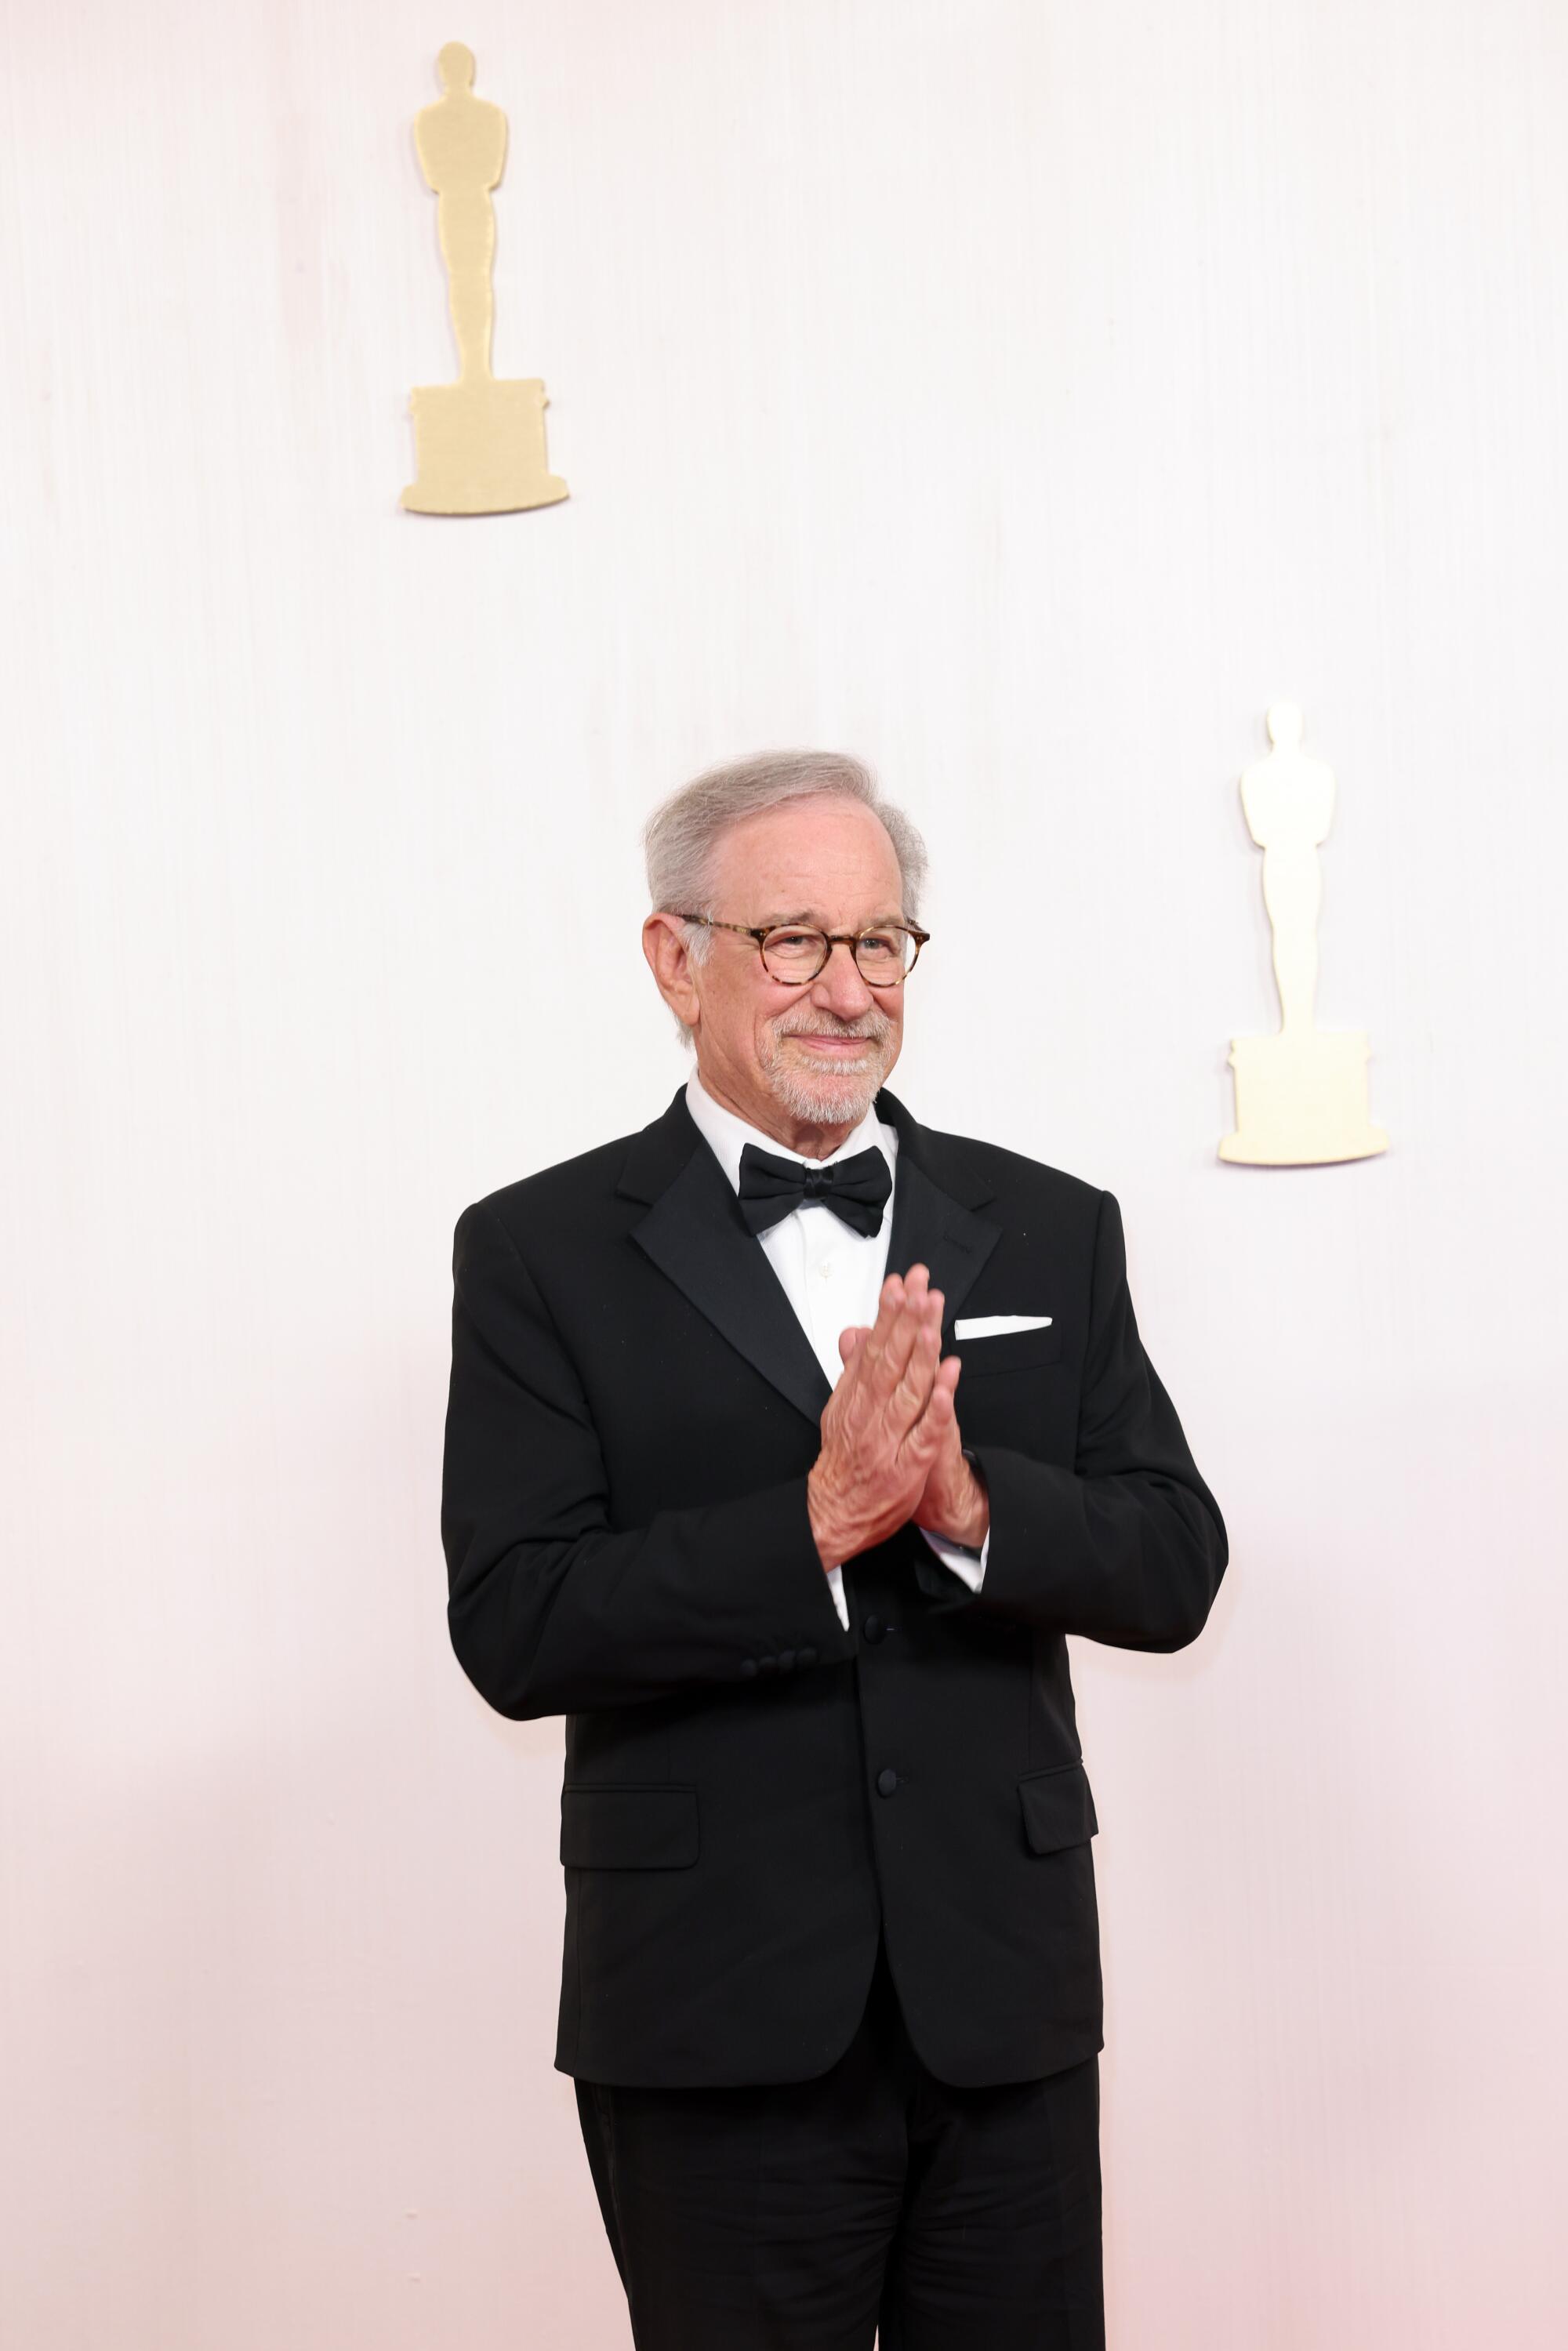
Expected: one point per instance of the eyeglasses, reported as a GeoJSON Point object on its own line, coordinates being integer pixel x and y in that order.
{"type": "Point", "coordinates": [885, 956]}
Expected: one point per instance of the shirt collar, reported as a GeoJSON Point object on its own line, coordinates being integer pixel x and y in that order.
{"type": "Point", "coordinates": [728, 1135]}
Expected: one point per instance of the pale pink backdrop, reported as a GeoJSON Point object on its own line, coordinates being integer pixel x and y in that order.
{"type": "Point", "coordinates": [1024, 395]}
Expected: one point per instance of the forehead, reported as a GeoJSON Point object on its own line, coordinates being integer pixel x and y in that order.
{"type": "Point", "coordinates": [828, 857]}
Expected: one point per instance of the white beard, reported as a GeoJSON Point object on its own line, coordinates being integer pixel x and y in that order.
{"type": "Point", "coordinates": [828, 1098]}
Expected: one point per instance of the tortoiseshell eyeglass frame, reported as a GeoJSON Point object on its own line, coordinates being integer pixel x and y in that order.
{"type": "Point", "coordinates": [831, 939]}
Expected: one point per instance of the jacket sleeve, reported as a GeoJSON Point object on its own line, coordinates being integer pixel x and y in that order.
{"type": "Point", "coordinates": [552, 1610]}
{"type": "Point", "coordinates": [1128, 1546]}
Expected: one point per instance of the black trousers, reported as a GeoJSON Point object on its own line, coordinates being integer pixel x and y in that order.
{"type": "Point", "coordinates": [805, 2216]}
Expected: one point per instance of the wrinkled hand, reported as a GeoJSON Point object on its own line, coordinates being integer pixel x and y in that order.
{"type": "Point", "coordinates": [885, 1423]}
{"type": "Point", "coordinates": [954, 1502]}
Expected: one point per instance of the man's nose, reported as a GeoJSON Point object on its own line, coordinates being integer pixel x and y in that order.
{"type": "Point", "coordinates": [839, 986]}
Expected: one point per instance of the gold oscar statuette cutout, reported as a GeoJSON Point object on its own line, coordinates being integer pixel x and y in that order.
{"type": "Point", "coordinates": [1302, 1095]}
{"type": "Point", "coordinates": [480, 443]}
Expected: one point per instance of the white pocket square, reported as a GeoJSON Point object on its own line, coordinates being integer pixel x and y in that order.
{"type": "Point", "coordinates": [991, 1326]}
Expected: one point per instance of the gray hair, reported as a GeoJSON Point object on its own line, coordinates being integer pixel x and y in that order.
{"type": "Point", "coordinates": [681, 836]}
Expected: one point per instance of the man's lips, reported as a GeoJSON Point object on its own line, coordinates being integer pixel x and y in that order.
{"type": "Point", "coordinates": [839, 1047]}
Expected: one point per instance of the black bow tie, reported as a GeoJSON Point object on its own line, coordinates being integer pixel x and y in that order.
{"type": "Point", "coordinates": [855, 1189]}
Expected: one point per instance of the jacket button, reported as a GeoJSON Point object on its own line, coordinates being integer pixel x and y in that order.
{"type": "Point", "coordinates": [887, 1781]}
{"type": "Point", "coordinates": [766, 1665]}
{"type": "Point", "coordinates": [874, 1628]}
{"type": "Point", "coordinates": [806, 1656]}
{"type": "Point", "coordinates": [748, 1669]}
{"type": "Point", "coordinates": [786, 1660]}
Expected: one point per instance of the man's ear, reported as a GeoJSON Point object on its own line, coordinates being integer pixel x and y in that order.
{"type": "Point", "coordinates": [664, 943]}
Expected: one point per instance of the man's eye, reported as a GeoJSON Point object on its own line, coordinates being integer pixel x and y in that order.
{"type": "Point", "coordinates": [879, 943]}
{"type": "Point", "coordinates": [792, 942]}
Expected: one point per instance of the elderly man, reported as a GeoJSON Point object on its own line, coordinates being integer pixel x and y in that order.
{"type": "Point", "coordinates": [788, 1439]}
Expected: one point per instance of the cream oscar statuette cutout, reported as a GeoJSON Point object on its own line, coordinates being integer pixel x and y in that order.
{"type": "Point", "coordinates": [480, 445]}
{"type": "Point", "coordinates": [1300, 1096]}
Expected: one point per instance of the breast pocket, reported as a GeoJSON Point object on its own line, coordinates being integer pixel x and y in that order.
{"type": "Point", "coordinates": [630, 1826]}
{"type": "Point", "coordinates": [1008, 1351]}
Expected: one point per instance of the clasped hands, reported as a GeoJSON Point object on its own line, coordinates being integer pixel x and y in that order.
{"type": "Point", "coordinates": [890, 1449]}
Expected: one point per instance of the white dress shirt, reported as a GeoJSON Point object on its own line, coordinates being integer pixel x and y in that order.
{"type": "Point", "coordinates": [830, 1274]}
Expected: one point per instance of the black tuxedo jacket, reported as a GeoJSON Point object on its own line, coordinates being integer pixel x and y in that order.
{"type": "Point", "coordinates": [749, 1788]}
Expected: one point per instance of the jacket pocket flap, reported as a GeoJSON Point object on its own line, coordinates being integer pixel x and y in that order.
{"type": "Point", "coordinates": [1058, 1808]}
{"type": "Point", "coordinates": [642, 1826]}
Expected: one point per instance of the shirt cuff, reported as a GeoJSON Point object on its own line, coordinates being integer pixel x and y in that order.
{"type": "Point", "coordinates": [969, 1566]}
{"type": "Point", "coordinates": [836, 1586]}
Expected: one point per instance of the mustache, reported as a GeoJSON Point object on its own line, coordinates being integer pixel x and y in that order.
{"type": "Point", "coordinates": [873, 1027]}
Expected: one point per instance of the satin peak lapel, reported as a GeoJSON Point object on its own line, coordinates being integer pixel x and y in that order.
{"type": "Point", "coordinates": [694, 1234]}
{"type": "Point", "coordinates": [931, 1229]}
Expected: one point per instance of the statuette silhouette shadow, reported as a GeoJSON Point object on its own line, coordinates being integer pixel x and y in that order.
{"type": "Point", "coordinates": [1301, 1094]}
{"type": "Point", "coordinates": [480, 443]}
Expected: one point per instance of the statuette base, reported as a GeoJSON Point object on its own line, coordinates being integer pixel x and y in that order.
{"type": "Point", "coordinates": [1301, 1101]}
{"type": "Point", "coordinates": [480, 449]}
